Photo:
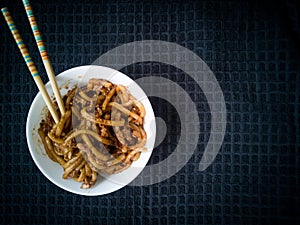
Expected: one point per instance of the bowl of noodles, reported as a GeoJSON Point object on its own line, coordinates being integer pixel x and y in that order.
{"type": "Point", "coordinates": [103, 140]}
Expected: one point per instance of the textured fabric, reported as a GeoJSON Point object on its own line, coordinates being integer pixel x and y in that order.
{"type": "Point", "coordinates": [252, 48]}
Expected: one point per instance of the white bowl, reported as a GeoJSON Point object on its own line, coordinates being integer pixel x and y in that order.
{"type": "Point", "coordinates": [52, 170]}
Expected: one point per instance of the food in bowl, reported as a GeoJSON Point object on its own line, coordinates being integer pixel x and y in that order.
{"type": "Point", "coordinates": [101, 131]}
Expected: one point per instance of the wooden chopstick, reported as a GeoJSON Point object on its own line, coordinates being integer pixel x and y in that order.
{"type": "Point", "coordinates": [44, 55]}
{"type": "Point", "coordinates": [30, 64]}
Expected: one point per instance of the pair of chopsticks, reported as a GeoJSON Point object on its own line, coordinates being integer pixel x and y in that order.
{"type": "Point", "coordinates": [30, 64]}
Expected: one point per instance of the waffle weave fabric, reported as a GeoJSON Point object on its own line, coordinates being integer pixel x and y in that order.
{"type": "Point", "coordinates": [252, 47]}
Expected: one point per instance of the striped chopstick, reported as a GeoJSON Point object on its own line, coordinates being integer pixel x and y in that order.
{"type": "Point", "coordinates": [44, 55]}
{"type": "Point", "coordinates": [30, 64]}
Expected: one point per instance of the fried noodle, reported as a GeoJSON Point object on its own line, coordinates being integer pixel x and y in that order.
{"type": "Point", "coordinates": [101, 132]}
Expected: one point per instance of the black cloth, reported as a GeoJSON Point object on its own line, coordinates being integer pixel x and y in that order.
{"type": "Point", "coordinates": [253, 49]}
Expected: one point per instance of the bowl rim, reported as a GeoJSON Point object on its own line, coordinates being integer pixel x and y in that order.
{"type": "Point", "coordinates": [29, 134]}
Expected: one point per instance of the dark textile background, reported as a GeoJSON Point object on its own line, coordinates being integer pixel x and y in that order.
{"type": "Point", "coordinates": [252, 48]}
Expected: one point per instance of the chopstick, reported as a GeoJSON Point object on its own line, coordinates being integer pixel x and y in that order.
{"type": "Point", "coordinates": [44, 55]}
{"type": "Point", "coordinates": [30, 64]}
